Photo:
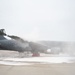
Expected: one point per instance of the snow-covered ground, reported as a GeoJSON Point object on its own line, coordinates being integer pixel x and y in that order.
{"type": "Point", "coordinates": [33, 60]}
{"type": "Point", "coordinates": [12, 58]}
{"type": "Point", "coordinates": [13, 63]}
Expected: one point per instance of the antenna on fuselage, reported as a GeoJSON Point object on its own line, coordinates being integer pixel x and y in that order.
{"type": "Point", "coordinates": [2, 32]}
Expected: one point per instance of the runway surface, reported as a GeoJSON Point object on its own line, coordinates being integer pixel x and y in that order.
{"type": "Point", "coordinates": [39, 69]}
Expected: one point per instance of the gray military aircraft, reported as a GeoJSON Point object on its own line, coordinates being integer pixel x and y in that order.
{"type": "Point", "coordinates": [15, 43]}
{"type": "Point", "coordinates": [12, 43]}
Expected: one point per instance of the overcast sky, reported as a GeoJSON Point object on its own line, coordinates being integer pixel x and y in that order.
{"type": "Point", "coordinates": [52, 20]}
